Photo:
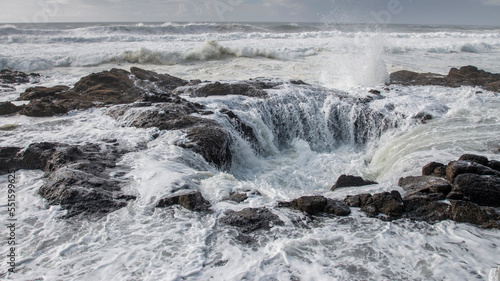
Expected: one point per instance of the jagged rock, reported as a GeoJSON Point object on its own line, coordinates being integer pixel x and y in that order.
{"type": "Point", "coordinates": [80, 192]}
{"type": "Point", "coordinates": [311, 205]}
{"type": "Point", "coordinates": [350, 181]}
{"type": "Point", "coordinates": [43, 108]}
{"type": "Point", "coordinates": [247, 131]}
{"type": "Point", "coordinates": [357, 200]}
{"type": "Point", "coordinates": [387, 203]}
{"type": "Point", "coordinates": [456, 168]}
{"type": "Point", "coordinates": [465, 76]}
{"type": "Point", "coordinates": [8, 159]}
{"type": "Point", "coordinates": [434, 169]}
{"type": "Point", "coordinates": [224, 89]}
{"type": "Point", "coordinates": [315, 205]}
{"type": "Point", "coordinates": [463, 211]}
{"type": "Point", "coordinates": [7, 108]}
{"type": "Point", "coordinates": [204, 136]}
{"type": "Point", "coordinates": [475, 158]}
{"type": "Point", "coordinates": [483, 190]}
{"type": "Point", "coordinates": [76, 177]}
{"type": "Point", "coordinates": [17, 77]}
{"type": "Point", "coordinates": [192, 200]}
{"type": "Point", "coordinates": [337, 208]}
{"type": "Point", "coordinates": [424, 184]}
{"type": "Point", "coordinates": [164, 82]}
{"type": "Point", "coordinates": [237, 197]}
{"type": "Point", "coordinates": [251, 219]}
{"type": "Point", "coordinates": [495, 165]}
{"type": "Point", "coordinates": [213, 143]}
{"type": "Point", "coordinates": [42, 92]}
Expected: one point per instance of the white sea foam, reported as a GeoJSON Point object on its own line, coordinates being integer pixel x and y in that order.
{"type": "Point", "coordinates": [301, 153]}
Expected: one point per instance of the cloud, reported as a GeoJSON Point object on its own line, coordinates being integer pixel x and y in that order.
{"type": "Point", "coordinates": [491, 2]}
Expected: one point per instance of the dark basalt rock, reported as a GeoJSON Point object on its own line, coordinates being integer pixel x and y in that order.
{"type": "Point", "coordinates": [43, 108]}
{"type": "Point", "coordinates": [76, 177]}
{"type": "Point", "coordinates": [237, 197]}
{"type": "Point", "coordinates": [42, 92]}
{"type": "Point", "coordinates": [17, 77]}
{"type": "Point", "coordinates": [192, 200]}
{"type": "Point", "coordinates": [483, 190]}
{"type": "Point", "coordinates": [465, 76]}
{"type": "Point", "coordinates": [7, 108]}
{"type": "Point", "coordinates": [475, 158]}
{"type": "Point", "coordinates": [387, 203]}
{"type": "Point", "coordinates": [337, 208]}
{"type": "Point", "coordinates": [205, 136]}
{"type": "Point", "coordinates": [80, 192]}
{"type": "Point", "coordinates": [224, 89]}
{"type": "Point", "coordinates": [311, 205]}
{"type": "Point", "coordinates": [434, 169]}
{"type": "Point", "coordinates": [213, 143]}
{"type": "Point", "coordinates": [424, 184]}
{"type": "Point", "coordinates": [357, 200]}
{"type": "Point", "coordinates": [164, 82]}
{"type": "Point", "coordinates": [470, 188]}
{"type": "Point", "coordinates": [316, 205]}
{"type": "Point", "coordinates": [246, 131]}
{"type": "Point", "coordinates": [456, 168]}
{"type": "Point", "coordinates": [251, 219]}
{"type": "Point", "coordinates": [350, 181]}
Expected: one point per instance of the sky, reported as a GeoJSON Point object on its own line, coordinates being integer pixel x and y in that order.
{"type": "Point", "coordinates": [452, 12]}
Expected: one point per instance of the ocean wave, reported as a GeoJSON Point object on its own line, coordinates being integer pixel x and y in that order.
{"type": "Point", "coordinates": [210, 50]}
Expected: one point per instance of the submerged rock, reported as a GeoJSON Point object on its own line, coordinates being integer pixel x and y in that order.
{"type": "Point", "coordinates": [251, 219]}
{"type": "Point", "coordinates": [350, 181]}
{"type": "Point", "coordinates": [191, 200]}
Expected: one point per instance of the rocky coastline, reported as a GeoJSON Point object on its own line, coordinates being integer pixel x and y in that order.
{"type": "Point", "coordinates": [77, 177]}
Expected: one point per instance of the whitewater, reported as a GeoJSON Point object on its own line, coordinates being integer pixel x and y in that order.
{"type": "Point", "coordinates": [304, 156]}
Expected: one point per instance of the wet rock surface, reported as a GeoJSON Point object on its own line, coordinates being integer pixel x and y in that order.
{"type": "Point", "coordinates": [468, 192]}
{"type": "Point", "coordinates": [350, 181]}
{"type": "Point", "coordinates": [251, 219]}
{"type": "Point", "coordinates": [78, 178]}
{"type": "Point", "coordinates": [17, 77]}
{"type": "Point", "coordinates": [465, 76]}
{"type": "Point", "coordinates": [7, 108]}
{"type": "Point", "coordinates": [317, 205]}
{"type": "Point", "coordinates": [191, 200]}
{"type": "Point", "coordinates": [76, 175]}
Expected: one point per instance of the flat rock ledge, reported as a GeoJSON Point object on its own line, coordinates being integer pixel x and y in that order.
{"type": "Point", "coordinates": [465, 76]}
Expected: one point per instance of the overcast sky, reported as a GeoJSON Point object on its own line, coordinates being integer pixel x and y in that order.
{"type": "Point", "coordinates": [461, 12]}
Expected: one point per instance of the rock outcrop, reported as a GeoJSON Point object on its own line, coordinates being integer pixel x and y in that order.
{"type": "Point", "coordinates": [191, 200]}
{"type": "Point", "coordinates": [17, 77]}
{"type": "Point", "coordinates": [465, 76]}
{"type": "Point", "coordinates": [7, 108]}
{"type": "Point", "coordinates": [251, 219]}
{"type": "Point", "coordinates": [467, 191]}
{"type": "Point", "coordinates": [350, 181]}
{"type": "Point", "coordinates": [317, 205]}
{"type": "Point", "coordinates": [76, 175]}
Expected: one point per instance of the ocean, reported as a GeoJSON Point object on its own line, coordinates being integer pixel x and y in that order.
{"type": "Point", "coordinates": [140, 242]}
